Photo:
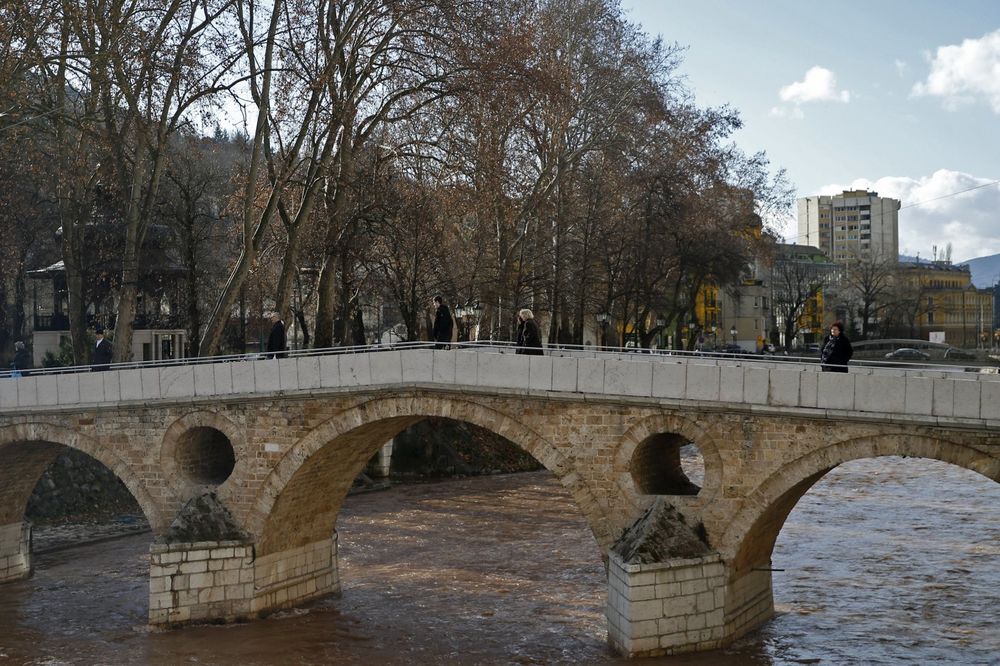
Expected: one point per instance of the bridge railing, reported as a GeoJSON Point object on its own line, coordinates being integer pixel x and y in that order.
{"type": "Point", "coordinates": [738, 381]}
{"type": "Point", "coordinates": [506, 347]}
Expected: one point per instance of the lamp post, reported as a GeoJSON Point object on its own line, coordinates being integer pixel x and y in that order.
{"type": "Point", "coordinates": [460, 317]}
{"type": "Point", "coordinates": [469, 313]}
{"type": "Point", "coordinates": [477, 314]}
{"type": "Point", "coordinates": [602, 319]}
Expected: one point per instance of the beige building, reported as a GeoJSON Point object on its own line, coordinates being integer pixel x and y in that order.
{"type": "Point", "coordinates": [850, 225]}
{"type": "Point", "coordinates": [937, 301]}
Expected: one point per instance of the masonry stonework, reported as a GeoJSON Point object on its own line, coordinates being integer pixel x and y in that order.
{"type": "Point", "coordinates": [15, 551]}
{"type": "Point", "coordinates": [301, 430]}
{"type": "Point", "coordinates": [668, 607]}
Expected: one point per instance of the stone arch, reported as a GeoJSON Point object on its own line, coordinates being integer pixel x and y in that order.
{"type": "Point", "coordinates": [184, 485]}
{"type": "Point", "coordinates": [750, 537]}
{"type": "Point", "coordinates": [339, 448]}
{"type": "Point", "coordinates": [26, 449]}
{"type": "Point", "coordinates": [657, 424]}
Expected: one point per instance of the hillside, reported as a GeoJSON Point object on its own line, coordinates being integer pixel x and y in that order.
{"type": "Point", "coordinates": [985, 270]}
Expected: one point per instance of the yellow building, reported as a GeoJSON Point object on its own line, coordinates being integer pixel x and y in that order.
{"type": "Point", "coordinates": [947, 303]}
{"type": "Point", "coordinates": [707, 308]}
{"type": "Point", "coordinates": [813, 322]}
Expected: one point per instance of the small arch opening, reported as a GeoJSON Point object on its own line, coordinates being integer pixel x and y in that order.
{"type": "Point", "coordinates": [205, 456]}
{"type": "Point", "coordinates": [667, 464]}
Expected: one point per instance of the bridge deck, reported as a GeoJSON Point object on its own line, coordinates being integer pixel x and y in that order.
{"type": "Point", "coordinates": [753, 384]}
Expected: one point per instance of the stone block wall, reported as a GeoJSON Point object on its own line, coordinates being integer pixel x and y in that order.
{"type": "Point", "coordinates": [290, 577]}
{"type": "Point", "coordinates": [666, 607]}
{"type": "Point", "coordinates": [749, 603]}
{"type": "Point", "coordinates": [15, 551]}
{"type": "Point", "coordinates": [202, 581]}
{"type": "Point", "coordinates": [222, 581]}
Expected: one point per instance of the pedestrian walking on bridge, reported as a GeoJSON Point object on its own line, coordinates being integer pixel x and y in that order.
{"type": "Point", "coordinates": [836, 351]}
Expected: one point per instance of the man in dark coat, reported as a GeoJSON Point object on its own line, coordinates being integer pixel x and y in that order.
{"type": "Point", "coordinates": [441, 333]}
{"type": "Point", "coordinates": [102, 352]}
{"type": "Point", "coordinates": [276, 342]}
{"type": "Point", "coordinates": [836, 350]}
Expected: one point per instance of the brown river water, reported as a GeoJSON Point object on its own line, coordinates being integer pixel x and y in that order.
{"type": "Point", "coordinates": [886, 561]}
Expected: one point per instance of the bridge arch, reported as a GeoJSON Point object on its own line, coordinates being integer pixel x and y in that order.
{"type": "Point", "coordinates": [753, 531]}
{"type": "Point", "coordinates": [291, 510]}
{"type": "Point", "coordinates": [202, 450]}
{"type": "Point", "coordinates": [27, 449]}
{"type": "Point", "coordinates": [644, 434]}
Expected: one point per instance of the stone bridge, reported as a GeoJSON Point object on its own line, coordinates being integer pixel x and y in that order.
{"type": "Point", "coordinates": [242, 467]}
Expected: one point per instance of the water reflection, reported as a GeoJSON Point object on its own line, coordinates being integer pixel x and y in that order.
{"type": "Point", "coordinates": [886, 561]}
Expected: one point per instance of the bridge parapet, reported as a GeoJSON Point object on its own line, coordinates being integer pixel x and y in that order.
{"type": "Point", "coordinates": [752, 385]}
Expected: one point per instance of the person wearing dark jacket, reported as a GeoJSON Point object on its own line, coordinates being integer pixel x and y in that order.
{"type": "Point", "coordinates": [836, 350]}
{"type": "Point", "coordinates": [276, 342]}
{"type": "Point", "coordinates": [102, 352]}
{"type": "Point", "coordinates": [22, 359]}
{"type": "Point", "coordinates": [441, 333]}
{"type": "Point", "coordinates": [529, 337]}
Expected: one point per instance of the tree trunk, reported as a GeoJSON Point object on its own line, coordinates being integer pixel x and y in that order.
{"type": "Point", "coordinates": [289, 267]}
{"type": "Point", "coordinates": [325, 294]}
{"type": "Point", "coordinates": [125, 318]}
{"type": "Point", "coordinates": [74, 294]}
{"type": "Point", "coordinates": [327, 306]}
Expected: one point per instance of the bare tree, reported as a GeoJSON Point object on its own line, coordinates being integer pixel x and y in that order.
{"type": "Point", "coordinates": [868, 281]}
{"type": "Point", "coordinates": [799, 274]}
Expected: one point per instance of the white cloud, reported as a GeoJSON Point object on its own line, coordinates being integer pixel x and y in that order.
{"type": "Point", "coordinates": [961, 74]}
{"type": "Point", "coordinates": [969, 221]}
{"type": "Point", "coordinates": [900, 68]}
{"type": "Point", "coordinates": [819, 85]}
{"type": "Point", "coordinates": [793, 112]}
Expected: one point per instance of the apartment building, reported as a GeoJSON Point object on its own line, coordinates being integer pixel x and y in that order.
{"type": "Point", "coordinates": [855, 224]}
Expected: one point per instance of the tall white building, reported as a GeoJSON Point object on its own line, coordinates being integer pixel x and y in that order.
{"type": "Point", "coordinates": [852, 225]}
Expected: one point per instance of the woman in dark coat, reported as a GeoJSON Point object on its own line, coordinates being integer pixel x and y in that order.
{"type": "Point", "coordinates": [529, 337]}
{"type": "Point", "coordinates": [836, 350]}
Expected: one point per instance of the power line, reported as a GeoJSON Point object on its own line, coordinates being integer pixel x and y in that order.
{"type": "Point", "coordinates": [953, 194]}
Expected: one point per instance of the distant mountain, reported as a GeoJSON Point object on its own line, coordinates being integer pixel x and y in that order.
{"type": "Point", "coordinates": [985, 270]}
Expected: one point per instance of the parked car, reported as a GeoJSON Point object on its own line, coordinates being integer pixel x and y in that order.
{"type": "Point", "coordinates": [813, 347]}
{"type": "Point", "coordinates": [732, 349]}
{"type": "Point", "coordinates": [959, 354]}
{"type": "Point", "coordinates": [908, 353]}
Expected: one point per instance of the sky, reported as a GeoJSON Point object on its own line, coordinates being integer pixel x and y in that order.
{"type": "Point", "coordinates": [897, 96]}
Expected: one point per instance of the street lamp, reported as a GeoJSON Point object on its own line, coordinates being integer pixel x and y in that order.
{"type": "Point", "coordinates": [465, 314]}
{"type": "Point", "coordinates": [602, 319]}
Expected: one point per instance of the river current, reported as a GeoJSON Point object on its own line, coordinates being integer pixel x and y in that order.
{"type": "Point", "coordinates": [885, 561]}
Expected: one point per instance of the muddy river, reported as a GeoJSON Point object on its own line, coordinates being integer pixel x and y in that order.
{"type": "Point", "coordinates": [884, 561]}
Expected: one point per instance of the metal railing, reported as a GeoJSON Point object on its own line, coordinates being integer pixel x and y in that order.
{"type": "Point", "coordinates": [504, 347]}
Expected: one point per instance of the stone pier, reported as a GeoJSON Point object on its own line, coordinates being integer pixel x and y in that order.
{"type": "Point", "coordinates": [15, 551]}
{"type": "Point", "coordinates": [682, 605]}
{"type": "Point", "coordinates": [381, 463]}
{"type": "Point", "coordinates": [667, 607]}
{"type": "Point", "coordinates": [215, 581]}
